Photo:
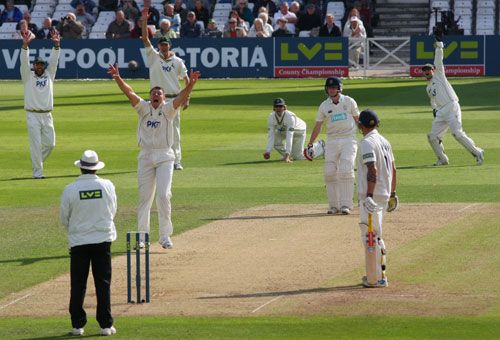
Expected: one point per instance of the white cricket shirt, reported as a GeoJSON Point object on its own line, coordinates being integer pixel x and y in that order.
{"type": "Point", "coordinates": [375, 148]}
{"type": "Point", "coordinates": [287, 124]}
{"type": "Point", "coordinates": [339, 117]}
{"type": "Point", "coordinates": [439, 89]}
{"type": "Point", "coordinates": [39, 91]}
{"type": "Point", "coordinates": [165, 73]}
{"type": "Point", "coordinates": [88, 207]}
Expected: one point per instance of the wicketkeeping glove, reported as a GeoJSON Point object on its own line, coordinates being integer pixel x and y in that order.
{"type": "Point", "coordinates": [393, 203]}
{"type": "Point", "coordinates": [438, 34]}
{"type": "Point", "coordinates": [370, 204]}
{"type": "Point", "coordinates": [308, 152]}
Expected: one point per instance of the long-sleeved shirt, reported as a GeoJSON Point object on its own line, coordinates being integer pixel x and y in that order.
{"type": "Point", "coordinates": [439, 88]}
{"type": "Point", "coordinates": [88, 207]}
{"type": "Point", "coordinates": [287, 124]}
{"type": "Point", "coordinates": [39, 90]}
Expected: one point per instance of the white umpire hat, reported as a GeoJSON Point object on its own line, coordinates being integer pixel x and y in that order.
{"type": "Point", "coordinates": [89, 161]}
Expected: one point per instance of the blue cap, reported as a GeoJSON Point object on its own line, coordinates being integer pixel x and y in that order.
{"type": "Point", "coordinates": [368, 118]}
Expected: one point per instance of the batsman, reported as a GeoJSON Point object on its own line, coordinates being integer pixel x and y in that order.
{"type": "Point", "coordinates": [376, 193]}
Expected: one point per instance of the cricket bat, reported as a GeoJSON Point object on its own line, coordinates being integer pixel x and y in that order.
{"type": "Point", "coordinates": [371, 255]}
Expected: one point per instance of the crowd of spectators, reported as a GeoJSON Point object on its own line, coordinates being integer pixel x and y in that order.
{"type": "Point", "coordinates": [193, 19]}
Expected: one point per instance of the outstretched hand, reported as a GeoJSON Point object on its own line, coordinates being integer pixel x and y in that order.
{"type": "Point", "coordinates": [27, 37]}
{"type": "Point", "coordinates": [145, 13]}
{"type": "Point", "coordinates": [114, 71]}
{"type": "Point", "coordinates": [194, 76]}
{"type": "Point", "coordinates": [56, 37]}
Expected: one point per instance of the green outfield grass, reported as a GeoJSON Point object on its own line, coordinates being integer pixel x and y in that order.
{"type": "Point", "coordinates": [223, 138]}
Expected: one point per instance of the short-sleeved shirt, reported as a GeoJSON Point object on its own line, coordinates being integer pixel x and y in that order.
{"type": "Point", "coordinates": [339, 117]}
{"type": "Point", "coordinates": [155, 126]}
{"type": "Point", "coordinates": [375, 148]}
{"type": "Point", "coordinates": [165, 73]}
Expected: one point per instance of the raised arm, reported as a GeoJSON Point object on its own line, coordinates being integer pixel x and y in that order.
{"type": "Point", "coordinates": [54, 55]}
{"type": "Point", "coordinates": [184, 94]}
{"type": "Point", "coordinates": [144, 27]}
{"type": "Point", "coordinates": [126, 89]}
{"type": "Point", "coordinates": [438, 57]}
{"type": "Point", "coordinates": [24, 55]}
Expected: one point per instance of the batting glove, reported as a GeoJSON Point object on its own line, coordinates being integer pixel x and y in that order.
{"type": "Point", "coordinates": [393, 203]}
{"type": "Point", "coordinates": [308, 152]}
{"type": "Point", "coordinates": [370, 204]}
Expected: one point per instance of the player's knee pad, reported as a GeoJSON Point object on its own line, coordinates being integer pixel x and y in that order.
{"type": "Point", "coordinates": [330, 172]}
{"type": "Point", "coordinates": [346, 170]}
{"type": "Point", "coordinates": [433, 139]}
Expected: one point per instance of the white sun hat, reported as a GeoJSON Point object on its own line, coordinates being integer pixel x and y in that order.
{"type": "Point", "coordinates": [89, 161]}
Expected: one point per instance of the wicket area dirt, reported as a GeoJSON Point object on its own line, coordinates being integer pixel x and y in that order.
{"type": "Point", "coordinates": [268, 260]}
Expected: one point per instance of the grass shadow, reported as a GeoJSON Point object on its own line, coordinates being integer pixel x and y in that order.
{"type": "Point", "coordinates": [67, 176]}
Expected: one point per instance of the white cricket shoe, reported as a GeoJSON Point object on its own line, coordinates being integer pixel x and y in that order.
{"type": "Point", "coordinates": [345, 211]}
{"type": "Point", "coordinates": [332, 211]}
{"type": "Point", "coordinates": [108, 331]}
{"type": "Point", "coordinates": [77, 331]}
{"type": "Point", "coordinates": [167, 243]}
{"type": "Point", "coordinates": [480, 157]}
{"type": "Point", "coordinates": [380, 284]}
{"type": "Point", "coordinates": [142, 245]}
{"type": "Point", "coordinates": [178, 166]}
{"type": "Point", "coordinates": [441, 162]}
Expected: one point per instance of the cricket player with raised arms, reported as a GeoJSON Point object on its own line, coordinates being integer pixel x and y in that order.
{"type": "Point", "coordinates": [446, 109]}
{"type": "Point", "coordinates": [39, 101]}
{"type": "Point", "coordinates": [376, 194]}
{"type": "Point", "coordinates": [284, 125]}
{"type": "Point", "coordinates": [156, 157]}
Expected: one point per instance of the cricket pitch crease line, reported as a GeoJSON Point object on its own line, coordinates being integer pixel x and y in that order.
{"type": "Point", "coordinates": [467, 207]}
{"type": "Point", "coordinates": [268, 302]}
{"type": "Point", "coordinates": [15, 301]}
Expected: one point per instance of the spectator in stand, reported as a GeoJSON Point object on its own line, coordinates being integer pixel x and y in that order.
{"type": "Point", "coordinates": [166, 30]}
{"type": "Point", "coordinates": [233, 14]}
{"type": "Point", "coordinates": [31, 27]}
{"type": "Point", "coordinates": [179, 9]}
{"type": "Point", "coordinates": [191, 4]}
{"type": "Point", "coordinates": [268, 4]}
{"type": "Point", "coordinates": [212, 31]}
{"type": "Point", "coordinates": [309, 20]}
{"type": "Point", "coordinates": [131, 13]}
{"type": "Point", "coordinates": [85, 18]}
{"type": "Point", "coordinates": [329, 29]}
{"type": "Point", "coordinates": [368, 17]}
{"type": "Point", "coordinates": [119, 28]}
{"type": "Point", "coordinates": [88, 4]}
{"type": "Point", "coordinates": [154, 14]}
{"type": "Point", "coordinates": [233, 31]}
{"type": "Point", "coordinates": [282, 30]}
{"type": "Point", "coordinates": [174, 18]}
{"type": "Point", "coordinates": [202, 13]}
{"type": "Point", "coordinates": [191, 28]}
{"type": "Point", "coordinates": [353, 12]}
{"type": "Point", "coordinates": [69, 27]}
{"type": "Point", "coordinates": [258, 30]}
{"type": "Point", "coordinates": [108, 5]}
{"type": "Point", "coordinates": [136, 32]}
{"type": "Point", "coordinates": [289, 16]}
{"type": "Point", "coordinates": [295, 8]}
{"type": "Point", "coordinates": [265, 19]}
{"type": "Point", "coordinates": [46, 31]}
{"type": "Point", "coordinates": [10, 13]}
{"type": "Point", "coordinates": [244, 12]}
{"type": "Point", "coordinates": [357, 31]}
{"type": "Point", "coordinates": [22, 28]}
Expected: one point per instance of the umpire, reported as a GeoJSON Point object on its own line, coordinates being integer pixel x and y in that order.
{"type": "Point", "coordinates": [88, 206]}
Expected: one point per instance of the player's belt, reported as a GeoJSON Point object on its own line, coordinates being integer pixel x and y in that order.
{"type": "Point", "coordinates": [38, 111]}
{"type": "Point", "coordinates": [171, 95]}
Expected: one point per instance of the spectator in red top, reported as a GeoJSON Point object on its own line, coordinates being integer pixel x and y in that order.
{"type": "Point", "coordinates": [31, 27]}
{"type": "Point", "coordinates": [137, 31]}
{"type": "Point", "coordinates": [233, 31]}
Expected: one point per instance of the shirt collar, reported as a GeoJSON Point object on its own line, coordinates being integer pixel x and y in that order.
{"type": "Point", "coordinates": [87, 176]}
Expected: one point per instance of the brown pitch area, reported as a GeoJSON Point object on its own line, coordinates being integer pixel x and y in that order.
{"type": "Point", "coordinates": [268, 260]}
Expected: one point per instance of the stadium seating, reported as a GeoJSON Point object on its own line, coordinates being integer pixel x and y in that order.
{"type": "Point", "coordinates": [485, 17]}
{"type": "Point", "coordinates": [336, 8]}
{"type": "Point", "coordinates": [463, 13]}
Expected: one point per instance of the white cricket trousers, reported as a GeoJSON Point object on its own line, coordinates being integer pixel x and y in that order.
{"type": "Point", "coordinates": [298, 142]}
{"type": "Point", "coordinates": [177, 136]}
{"type": "Point", "coordinates": [155, 170]}
{"type": "Point", "coordinates": [42, 138]}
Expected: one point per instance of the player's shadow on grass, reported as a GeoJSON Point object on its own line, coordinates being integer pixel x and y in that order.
{"type": "Point", "coordinates": [430, 166]}
{"type": "Point", "coordinates": [264, 217]}
{"type": "Point", "coordinates": [67, 335]}
{"type": "Point", "coordinates": [286, 292]}
{"type": "Point", "coordinates": [31, 260]}
{"type": "Point", "coordinates": [255, 162]}
{"type": "Point", "coordinates": [66, 176]}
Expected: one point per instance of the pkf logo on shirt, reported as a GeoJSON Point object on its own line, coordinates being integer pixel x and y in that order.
{"type": "Point", "coordinates": [41, 82]}
{"type": "Point", "coordinates": [167, 68]}
{"type": "Point", "coordinates": [153, 124]}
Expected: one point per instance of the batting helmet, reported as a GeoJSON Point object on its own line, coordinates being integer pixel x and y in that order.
{"type": "Point", "coordinates": [333, 82]}
{"type": "Point", "coordinates": [368, 118]}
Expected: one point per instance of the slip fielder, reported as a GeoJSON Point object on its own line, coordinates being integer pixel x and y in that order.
{"type": "Point", "coordinates": [156, 158]}
{"type": "Point", "coordinates": [39, 101]}
{"type": "Point", "coordinates": [446, 109]}
{"type": "Point", "coordinates": [165, 71]}
{"type": "Point", "coordinates": [285, 125]}
{"type": "Point", "coordinates": [340, 112]}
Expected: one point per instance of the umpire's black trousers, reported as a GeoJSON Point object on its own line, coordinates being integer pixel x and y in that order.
{"type": "Point", "coordinates": [99, 256]}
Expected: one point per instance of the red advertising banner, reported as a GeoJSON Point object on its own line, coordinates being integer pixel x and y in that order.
{"type": "Point", "coordinates": [310, 72]}
{"type": "Point", "coordinates": [454, 70]}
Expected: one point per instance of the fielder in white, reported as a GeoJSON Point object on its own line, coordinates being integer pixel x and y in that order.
{"type": "Point", "coordinates": [156, 158]}
{"type": "Point", "coordinates": [39, 101]}
{"type": "Point", "coordinates": [165, 71]}
{"type": "Point", "coordinates": [284, 125]}
{"type": "Point", "coordinates": [340, 112]}
{"type": "Point", "coordinates": [446, 109]}
{"type": "Point", "coordinates": [376, 188]}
